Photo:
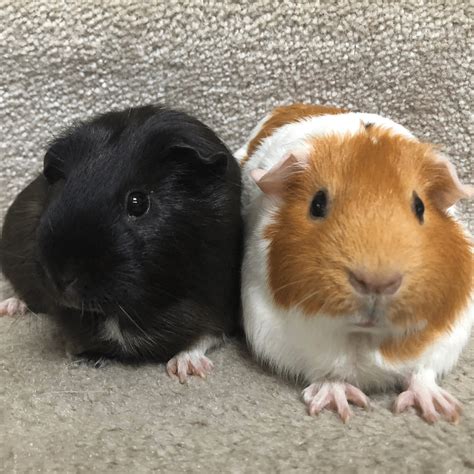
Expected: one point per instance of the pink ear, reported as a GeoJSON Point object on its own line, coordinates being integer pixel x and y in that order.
{"type": "Point", "coordinates": [448, 189]}
{"type": "Point", "coordinates": [272, 181]}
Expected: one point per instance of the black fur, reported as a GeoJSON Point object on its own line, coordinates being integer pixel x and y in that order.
{"type": "Point", "coordinates": [70, 249]}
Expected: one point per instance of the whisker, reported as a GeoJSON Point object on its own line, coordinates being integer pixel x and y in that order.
{"type": "Point", "coordinates": [18, 320]}
{"type": "Point", "coordinates": [32, 312]}
{"type": "Point", "coordinates": [323, 306]}
{"type": "Point", "coordinates": [307, 297]}
{"type": "Point", "coordinates": [148, 337]}
{"type": "Point", "coordinates": [11, 254]}
{"type": "Point", "coordinates": [21, 212]}
{"type": "Point", "coordinates": [290, 284]}
{"type": "Point", "coordinates": [132, 321]}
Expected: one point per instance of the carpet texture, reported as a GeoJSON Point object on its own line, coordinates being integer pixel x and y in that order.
{"type": "Point", "coordinates": [228, 63]}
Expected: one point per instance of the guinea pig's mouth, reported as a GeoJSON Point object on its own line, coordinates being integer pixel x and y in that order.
{"type": "Point", "coordinates": [366, 324]}
{"type": "Point", "coordinates": [81, 304]}
{"type": "Point", "coordinates": [371, 315]}
{"type": "Point", "coordinates": [72, 297]}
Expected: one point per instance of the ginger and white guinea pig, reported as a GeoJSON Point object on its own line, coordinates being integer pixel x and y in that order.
{"type": "Point", "coordinates": [355, 275]}
{"type": "Point", "coordinates": [131, 239]}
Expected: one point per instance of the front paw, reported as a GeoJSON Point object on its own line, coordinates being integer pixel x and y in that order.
{"type": "Point", "coordinates": [335, 396]}
{"type": "Point", "coordinates": [429, 399]}
{"type": "Point", "coordinates": [12, 306]}
{"type": "Point", "coordinates": [189, 363]}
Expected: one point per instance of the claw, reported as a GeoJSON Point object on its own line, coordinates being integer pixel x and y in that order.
{"type": "Point", "coordinates": [188, 363]}
{"type": "Point", "coordinates": [335, 396]}
{"type": "Point", "coordinates": [430, 399]}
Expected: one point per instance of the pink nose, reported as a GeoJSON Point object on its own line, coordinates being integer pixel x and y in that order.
{"type": "Point", "coordinates": [383, 284]}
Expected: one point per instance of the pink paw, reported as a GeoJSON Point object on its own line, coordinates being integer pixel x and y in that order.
{"type": "Point", "coordinates": [189, 363]}
{"type": "Point", "coordinates": [430, 399]}
{"type": "Point", "coordinates": [12, 306]}
{"type": "Point", "coordinates": [333, 395]}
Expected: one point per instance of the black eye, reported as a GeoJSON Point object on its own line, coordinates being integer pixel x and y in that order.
{"type": "Point", "coordinates": [138, 203]}
{"type": "Point", "coordinates": [319, 205]}
{"type": "Point", "coordinates": [418, 207]}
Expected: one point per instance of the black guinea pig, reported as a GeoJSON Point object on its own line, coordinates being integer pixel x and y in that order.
{"type": "Point", "coordinates": [131, 239]}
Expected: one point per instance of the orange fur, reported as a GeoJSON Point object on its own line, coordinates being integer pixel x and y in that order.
{"type": "Point", "coordinates": [370, 179]}
{"type": "Point", "coordinates": [288, 114]}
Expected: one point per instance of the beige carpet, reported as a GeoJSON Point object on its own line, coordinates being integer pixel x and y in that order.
{"type": "Point", "coordinates": [228, 63]}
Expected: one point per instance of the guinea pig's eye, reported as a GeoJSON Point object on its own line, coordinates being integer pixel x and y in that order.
{"type": "Point", "coordinates": [418, 207]}
{"type": "Point", "coordinates": [319, 204]}
{"type": "Point", "coordinates": [138, 203]}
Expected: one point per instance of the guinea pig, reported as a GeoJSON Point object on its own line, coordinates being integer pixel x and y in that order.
{"type": "Point", "coordinates": [131, 239]}
{"type": "Point", "coordinates": [355, 274]}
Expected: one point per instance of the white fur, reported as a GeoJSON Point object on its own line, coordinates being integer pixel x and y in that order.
{"type": "Point", "coordinates": [241, 153]}
{"type": "Point", "coordinates": [111, 332]}
{"type": "Point", "coordinates": [322, 347]}
{"type": "Point", "coordinates": [443, 354]}
{"type": "Point", "coordinates": [203, 345]}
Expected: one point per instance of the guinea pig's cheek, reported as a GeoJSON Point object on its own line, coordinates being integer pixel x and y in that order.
{"type": "Point", "coordinates": [295, 277]}
{"type": "Point", "coordinates": [403, 319]}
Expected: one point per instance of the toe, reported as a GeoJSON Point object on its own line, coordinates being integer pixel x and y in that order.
{"type": "Point", "coordinates": [5, 308]}
{"type": "Point", "coordinates": [172, 368]}
{"type": "Point", "coordinates": [341, 404]}
{"type": "Point", "coordinates": [320, 401]}
{"type": "Point", "coordinates": [183, 370]}
{"type": "Point", "coordinates": [356, 396]}
{"type": "Point", "coordinates": [430, 416]}
{"type": "Point", "coordinates": [185, 364]}
{"type": "Point", "coordinates": [309, 393]}
{"type": "Point", "coordinates": [200, 366]}
{"type": "Point", "coordinates": [197, 369]}
{"type": "Point", "coordinates": [207, 364]}
{"type": "Point", "coordinates": [448, 410]}
{"type": "Point", "coordinates": [12, 306]}
{"type": "Point", "coordinates": [452, 400]}
{"type": "Point", "coordinates": [403, 401]}
{"type": "Point", "coordinates": [421, 400]}
{"type": "Point", "coordinates": [424, 401]}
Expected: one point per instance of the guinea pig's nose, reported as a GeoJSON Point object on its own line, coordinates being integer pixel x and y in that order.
{"type": "Point", "coordinates": [365, 282]}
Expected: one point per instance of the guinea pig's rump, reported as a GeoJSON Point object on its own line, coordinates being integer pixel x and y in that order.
{"type": "Point", "coordinates": [18, 245]}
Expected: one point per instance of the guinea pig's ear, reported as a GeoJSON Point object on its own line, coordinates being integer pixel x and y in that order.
{"type": "Point", "coordinates": [52, 166]}
{"type": "Point", "coordinates": [444, 187]}
{"type": "Point", "coordinates": [216, 161]}
{"type": "Point", "coordinates": [273, 181]}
